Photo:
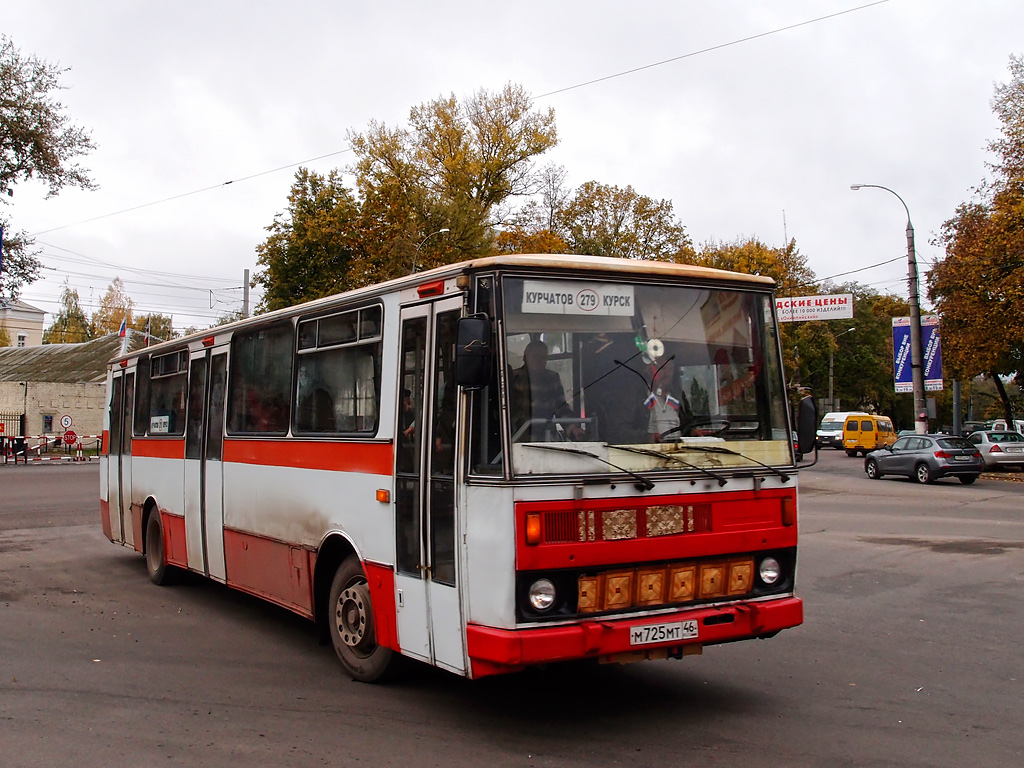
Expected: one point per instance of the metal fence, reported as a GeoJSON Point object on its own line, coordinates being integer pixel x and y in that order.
{"type": "Point", "coordinates": [12, 424]}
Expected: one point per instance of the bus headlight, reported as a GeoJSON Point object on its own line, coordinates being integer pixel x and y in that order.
{"type": "Point", "coordinates": [769, 570]}
{"type": "Point", "coordinates": [541, 595]}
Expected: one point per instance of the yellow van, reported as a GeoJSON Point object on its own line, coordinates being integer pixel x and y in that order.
{"type": "Point", "coordinates": [864, 432]}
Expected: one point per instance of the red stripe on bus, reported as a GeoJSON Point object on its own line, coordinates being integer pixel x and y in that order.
{"type": "Point", "coordinates": [159, 448]}
{"type": "Point", "coordinates": [371, 458]}
{"type": "Point", "coordinates": [381, 580]}
{"type": "Point", "coordinates": [135, 513]}
{"type": "Point", "coordinates": [174, 539]}
{"type": "Point", "coordinates": [105, 519]}
{"type": "Point", "coordinates": [271, 569]}
{"type": "Point", "coordinates": [740, 522]}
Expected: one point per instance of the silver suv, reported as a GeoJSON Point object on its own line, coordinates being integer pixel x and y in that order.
{"type": "Point", "coordinates": [925, 458]}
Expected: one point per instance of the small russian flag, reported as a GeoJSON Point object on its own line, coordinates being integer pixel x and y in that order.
{"type": "Point", "coordinates": [124, 328]}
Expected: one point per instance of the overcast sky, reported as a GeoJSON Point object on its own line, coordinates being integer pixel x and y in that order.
{"type": "Point", "coordinates": [749, 128]}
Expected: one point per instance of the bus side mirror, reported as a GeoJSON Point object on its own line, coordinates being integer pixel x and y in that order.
{"type": "Point", "coordinates": [807, 422]}
{"type": "Point", "coordinates": [473, 354]}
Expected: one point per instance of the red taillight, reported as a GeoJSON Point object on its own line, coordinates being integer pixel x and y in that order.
{"type": "Point", "coordinates": [943, 455]}
{"type": "Point", "coordinates": [995, 449]}
{"type": "Point", "coordinates": [976, 454]}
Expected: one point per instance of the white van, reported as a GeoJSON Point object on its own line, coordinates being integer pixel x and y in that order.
{"type": "Point", "coordinates": [830, 431]}
{"type": "Point", "coordinates": [1017, 425]}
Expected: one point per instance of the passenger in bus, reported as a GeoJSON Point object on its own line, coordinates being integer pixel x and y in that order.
{"type": "Point", "coordinates": [407, 423]}
{"type": "Point", "coordinates": [537, 396]}
{"type": "Point", "coordinates": [316, 412]}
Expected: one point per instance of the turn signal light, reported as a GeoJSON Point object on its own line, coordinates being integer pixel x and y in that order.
{"type": "Point", "coordinates": [788, 511]}
{"type": "Point", "coordinates": [533, 534]}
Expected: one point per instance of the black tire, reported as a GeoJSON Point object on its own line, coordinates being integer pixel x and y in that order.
{"type": "Point", "coordinates": [350, 624]}
{"type": "Point", "coordinates": [968, 479]}
{"type": "Point", "coordinates": [851, 452]}
{"type": "Point", "coordinates": [160, 573]}
{"type": "Point", "coordinates": [871, 469]}
{"type": "Point", "coordinates": [922, 474]}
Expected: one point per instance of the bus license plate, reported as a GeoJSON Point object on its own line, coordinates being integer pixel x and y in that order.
{"type": "Point", "coordinates": [663, 633]}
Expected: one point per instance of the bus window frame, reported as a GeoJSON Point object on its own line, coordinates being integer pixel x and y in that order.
{"type": "Point", "coordinates": [313, 345]}
{"type": "Point", "coordinates": [181, 370]}
{"type": "Point", "coordinates": [234, 360]}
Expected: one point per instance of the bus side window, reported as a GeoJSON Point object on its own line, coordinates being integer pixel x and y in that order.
{"type": "Point", "coordinates": [259, 388]}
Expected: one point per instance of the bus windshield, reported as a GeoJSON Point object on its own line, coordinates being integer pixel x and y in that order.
{"type": "Point", "coordinates": [640, 376]}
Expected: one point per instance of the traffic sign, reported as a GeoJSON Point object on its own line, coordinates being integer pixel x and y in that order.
{"type": "Point", "coordinates": [65, 421]}
{"type": "Point", "coordinates": [70, 438]}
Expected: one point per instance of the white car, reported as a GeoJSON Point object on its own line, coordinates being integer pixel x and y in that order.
{"type": "Point", "coordinates": [1000, 449]}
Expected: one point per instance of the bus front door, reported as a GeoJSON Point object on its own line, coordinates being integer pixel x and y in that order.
{"type": "Point", "coordinates": [430, 624]}
{"type": "Point", "coordinates": [204, 478]}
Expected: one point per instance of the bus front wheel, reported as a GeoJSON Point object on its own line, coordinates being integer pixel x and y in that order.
{"type": "Point", "coordinates": [350, 620]}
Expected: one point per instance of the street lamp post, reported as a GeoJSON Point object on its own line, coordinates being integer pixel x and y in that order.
{"type": "Point", "coordinates": [916, 351]}
{"type": "Point", "coordinates": [416, 254]}
{"type": "Point", "coordinates": [831, 351]}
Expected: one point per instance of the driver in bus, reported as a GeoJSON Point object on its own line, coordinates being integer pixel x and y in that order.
{"type": "Point", "coordinates": [537, 395]}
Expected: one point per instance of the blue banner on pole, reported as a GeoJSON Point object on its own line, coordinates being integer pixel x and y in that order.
{"type": "Point", "coordinates": [932, 344]}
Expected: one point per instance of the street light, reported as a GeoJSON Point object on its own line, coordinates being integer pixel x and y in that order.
{"type": "Point", "coordinates": [916, 351]}
{"type": "Point", "coordinates": [415, 256]}
{"type": "Point", "coordinates": [831, 402]}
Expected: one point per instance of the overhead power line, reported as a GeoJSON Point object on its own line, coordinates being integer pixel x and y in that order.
{"type": "Point", "coordinates": [584, 84]}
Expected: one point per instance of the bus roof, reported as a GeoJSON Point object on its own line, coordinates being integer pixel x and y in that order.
{"type": "Point", "coordinates": [555, 261]}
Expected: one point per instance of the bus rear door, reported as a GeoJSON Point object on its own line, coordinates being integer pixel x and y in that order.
{"type": "Point", "coordinates": [119, 459]}
{"type": "Point", "coordinates": [430, 625]}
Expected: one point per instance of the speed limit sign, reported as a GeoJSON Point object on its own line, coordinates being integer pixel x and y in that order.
{"type": "Point", "coordinates": [65, 421]}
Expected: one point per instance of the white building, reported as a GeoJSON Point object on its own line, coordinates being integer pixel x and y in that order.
{"type": "Point", "coordinates": [24, 323]}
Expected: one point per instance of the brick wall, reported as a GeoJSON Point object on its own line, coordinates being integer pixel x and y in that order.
{"type": "Point", "coordinates": [84, 403]}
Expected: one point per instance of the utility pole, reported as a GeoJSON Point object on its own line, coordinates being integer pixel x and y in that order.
{"type": "Point", "coordinates": [245, 295]}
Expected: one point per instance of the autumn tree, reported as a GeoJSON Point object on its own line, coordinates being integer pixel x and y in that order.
{"type": "Point", "coordinates": [5, 337]}
{"type": "Point", "coordinates": [978, 288]}
{"type": "Point", "coordinates": [159, 327]}
{"type": "Point", "coordinates": [312, 245]}
{"type": "Point", "coordinates": [115, 306]}
{"type": "Point", "coordinates": [70, 325]}
{"type": "Point", "coordinates": [606, 220]}
{"type": "Point", "coordinates": [37, 141]}
{"type": "Point", "coordinates": [457, 166]}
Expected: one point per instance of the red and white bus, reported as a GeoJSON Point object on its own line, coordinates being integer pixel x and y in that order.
{"type": "Point", "coordinates": [500, 463]}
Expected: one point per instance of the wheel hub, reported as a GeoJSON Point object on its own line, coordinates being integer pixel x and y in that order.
{"type": "Point", "coordinates": [352, 615]}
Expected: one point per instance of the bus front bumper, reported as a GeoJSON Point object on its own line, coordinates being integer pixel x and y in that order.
{"type": "Point", "coordinates": [497, 651]}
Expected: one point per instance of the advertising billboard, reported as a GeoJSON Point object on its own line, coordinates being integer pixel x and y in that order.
{"type": "Point", "coordinates": [932, 344]}
{"type": "Point", "coordinates": [837, 306]}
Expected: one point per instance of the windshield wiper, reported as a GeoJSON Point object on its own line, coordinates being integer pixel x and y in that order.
{"type": "Point", "coordinates": [642, 483]}
{"type": "Point", "coordinates": [719, 449]}
{"type": "Point", "coordinates": [662, 455]}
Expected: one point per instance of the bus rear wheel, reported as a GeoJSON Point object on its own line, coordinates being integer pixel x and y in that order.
{"type": "Point", "coordinates": [160, 573]}
{"type": "Point", "coordinates": [350, 622]}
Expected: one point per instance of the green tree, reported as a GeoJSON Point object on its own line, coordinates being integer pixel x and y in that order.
{"type": "Point", "coordinates": [313, 246]}
{"type": "Point", "coordinates": [70, 325]}
{"type": "Point", "coordinates": [37, 141]}
{"type": "Point", "coordinates": [605, 220]}
{"type": "Point", "coordinates": [978, 288]}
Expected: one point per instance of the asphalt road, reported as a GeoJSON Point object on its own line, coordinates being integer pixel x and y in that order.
{"type": "Point", "coordinates": [909, 656]}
